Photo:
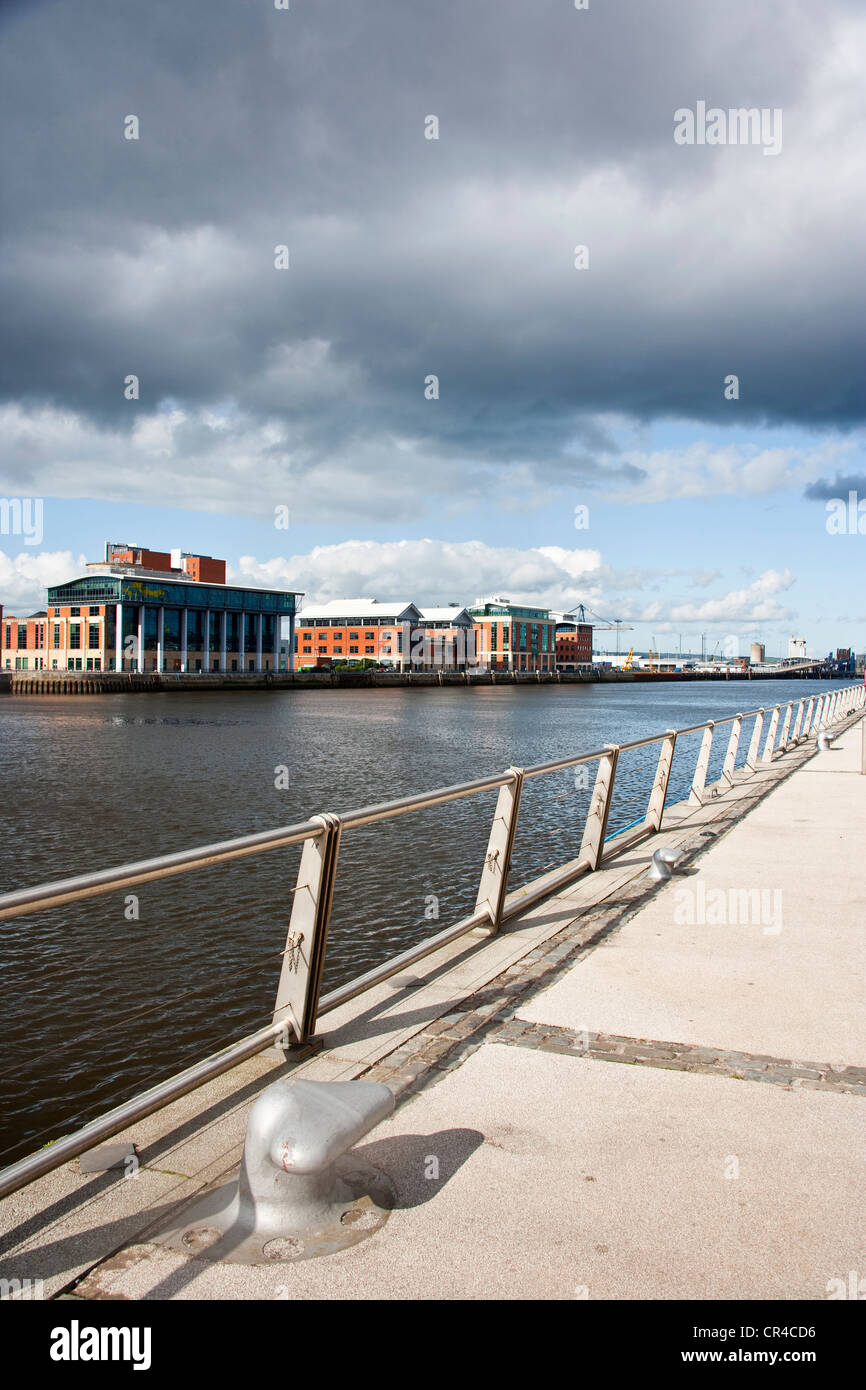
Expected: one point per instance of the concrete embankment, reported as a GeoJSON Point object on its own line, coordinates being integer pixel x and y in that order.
{"type": "Point", "coordinates": [633, 1091]}
{"type": "Point", "coordinates": [150, 682]}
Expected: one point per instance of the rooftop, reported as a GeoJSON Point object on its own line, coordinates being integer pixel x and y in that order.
{"type": "Point", "coordinates": [352, 608]}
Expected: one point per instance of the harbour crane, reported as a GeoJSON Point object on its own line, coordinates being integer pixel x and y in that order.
{"type": "Point", "coordinates": [616, 625]}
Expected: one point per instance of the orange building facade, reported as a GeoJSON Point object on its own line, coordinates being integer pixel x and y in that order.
{"type": "Point", "coordinates": [514, 638]}
{"type": "Point", "coordinates": [398, 635]}
{"type": "Point", "coordinates": [573, 645]}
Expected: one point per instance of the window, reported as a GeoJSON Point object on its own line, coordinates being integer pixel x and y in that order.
{"type": "Point", "coordinates": [22, 635]}
{"type": "Point", "coordinates": [93, 641]}
{"type": "Point", "coordinates": [94, 610]}
{"type": "Point", "coordinates": [369, 636]}
{"type": "Point", "coordinates": [75, 612]}
{"type": "Point", "coordinates": [353, 636]}
{"type": "Point", "coordinates": [8, 637]}
{"type": "Point", "coordinates": [339, 649]}
{"type": "Point", "coordinates": [353, 649]}
{"type": "Point", "coordinates": [307, 650]}
{"type": "Point", "coordinates": [75, 636]}
{"type": "Point", "coordinates": [56, 639]}
{"type": "Point", "coordinates": [369, 650]}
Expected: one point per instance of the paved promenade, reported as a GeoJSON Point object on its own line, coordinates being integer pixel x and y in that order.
{"type": "Point", "coordinates": [633, 1092]}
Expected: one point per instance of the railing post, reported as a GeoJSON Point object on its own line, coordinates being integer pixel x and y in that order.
{"type": "Point", "coordinates": [770, 745]}
{"type": "Point", "coordinates": [755, 741]}
{"type": "Point", "coordinates": [731, 754]}
{"type": "Point", "coordinates": [807, 718]}
{"type": "Point", "coordinates": [826, 710]}
{"type": "Point", "coordinates": [783, 741]}
{"type": "Point", "coordinates": [696, 795]}
{"type": "Point", "coordinates": [656, 807]}
{"type": "Point", "coordinates": [497, 860]}
{"type": "Point", "coordinates": [592, 846]}
{"type": "Point", "coordinates": [304, 956]}
{"type": "Point", "coordinates": [795, 735]}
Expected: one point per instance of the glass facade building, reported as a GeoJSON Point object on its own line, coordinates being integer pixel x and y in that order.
{"type": "Point", "coordinates": [118, 618]}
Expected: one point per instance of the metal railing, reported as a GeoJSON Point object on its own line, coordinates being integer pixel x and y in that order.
{"type": "Point", "coordinates": [299, 1002]}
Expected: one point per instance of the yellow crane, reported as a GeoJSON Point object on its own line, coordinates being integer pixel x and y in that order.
{"type": "Point", "coordinates": [629, 661]}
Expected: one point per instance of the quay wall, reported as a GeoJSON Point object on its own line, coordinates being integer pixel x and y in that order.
{"type": "Point", "coordinates": [113, 683]}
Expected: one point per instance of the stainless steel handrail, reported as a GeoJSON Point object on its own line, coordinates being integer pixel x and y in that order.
{"type": "Point", "coordinates": [70, 890]}
{"type": "Point", "coordinates": [320, 837]}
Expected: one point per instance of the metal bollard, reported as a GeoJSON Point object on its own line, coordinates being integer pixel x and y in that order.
{"type": "Point", "coordinates": [664, 862]}
{"type": "Point", "coordinates": [299, 1193]}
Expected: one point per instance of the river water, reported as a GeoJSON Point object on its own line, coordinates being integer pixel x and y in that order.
{"type": "Point", "coordinates": [95, 1007]}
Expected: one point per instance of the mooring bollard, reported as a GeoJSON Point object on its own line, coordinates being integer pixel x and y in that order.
{"type": "Point", "coordinates": [664, 862]}
{"type": "Point", "coordinates": [299, 1193]}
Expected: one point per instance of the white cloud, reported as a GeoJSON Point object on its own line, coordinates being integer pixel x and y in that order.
{"type": "Point", "coordinates": [756, 603]}
{"type": "Point", "coordinates": [702, 470]}
{"type": "Point", "coordinates": [431, 571]}
{"type": "Point", "coordinates": [25, 577]}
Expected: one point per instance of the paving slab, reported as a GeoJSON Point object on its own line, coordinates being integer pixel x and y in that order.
{"type": "Point", "coordinates": [762, 948]}
{"type": "Point", "coordinates": [567, 1178]}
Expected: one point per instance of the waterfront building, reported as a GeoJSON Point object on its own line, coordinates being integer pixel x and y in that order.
{"type": "Point", "coordinates": [356, 630]}
{"type": "Point", "coordinates": [388, 633]}
{"type": "Point", "coordinates": [512, 637]}
{"type": "Point", "coordinates": [573, 643]}
{"type": "Point", "coordinates": [144, 610]}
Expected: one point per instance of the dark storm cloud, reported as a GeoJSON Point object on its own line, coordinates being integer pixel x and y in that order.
{"type": "Point", "coordinates": [823, 490]}
{"type": "Point", "coordinates": [412, 257]}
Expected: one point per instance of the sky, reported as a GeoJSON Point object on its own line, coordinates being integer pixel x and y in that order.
{"type": "Point", "coordinates": [339, 258]}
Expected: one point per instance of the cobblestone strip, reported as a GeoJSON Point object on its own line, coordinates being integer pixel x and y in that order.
{"type": "Point", "coordinates": [674, 1056]}
{"type": "Point", "coordinates": [446, 1043]}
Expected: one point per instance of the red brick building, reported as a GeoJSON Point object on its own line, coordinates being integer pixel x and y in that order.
{"type": "Point", "coordinates": [573, 644]}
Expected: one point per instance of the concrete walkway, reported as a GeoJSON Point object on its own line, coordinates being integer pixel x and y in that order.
{"type": "Point", "coordinates": [639, 1093]}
